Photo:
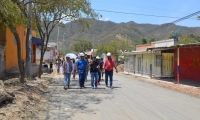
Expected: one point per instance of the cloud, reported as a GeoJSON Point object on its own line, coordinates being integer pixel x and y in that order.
{"type": "Point", "coordinates": [107, 19]}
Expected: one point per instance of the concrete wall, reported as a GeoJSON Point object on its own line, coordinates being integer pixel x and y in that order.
{"type": "Point", "coordinates": [47, 54]}
{"type": "Point", "coordinates": [11, 47]}
{"type": "Point", "coordinates": [164, 43]}
{"type": "Point", "coordinates": [143, 47]}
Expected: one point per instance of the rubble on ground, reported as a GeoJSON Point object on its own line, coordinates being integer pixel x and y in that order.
{"type": "Point", "coordinates": [23, 101]}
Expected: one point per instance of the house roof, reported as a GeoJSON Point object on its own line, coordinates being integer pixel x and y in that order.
{"type": "Point", "coordinates": [175, 46]}
{"type": "Point", "coordinates": [51, 44]}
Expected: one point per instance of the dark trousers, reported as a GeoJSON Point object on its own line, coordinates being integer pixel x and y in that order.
{"type": "Point", "coordinates": [82, 78]}
{"type": "Point", "coordinates": [99, 78]}
{"type": "Point", "coordinates": [110, 74]}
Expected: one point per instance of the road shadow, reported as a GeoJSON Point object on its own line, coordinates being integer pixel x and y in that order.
{"type": "Point", "coordinates": [67, 103]}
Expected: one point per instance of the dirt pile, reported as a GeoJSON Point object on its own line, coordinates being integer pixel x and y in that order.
{"type": "Point", "coordinates": [120, 68]}
{"type": "Point", "coordinates": [29, 99]}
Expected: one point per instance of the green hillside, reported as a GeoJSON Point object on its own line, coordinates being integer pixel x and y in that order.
{"type": "Point", "coordinates": [104, 31]}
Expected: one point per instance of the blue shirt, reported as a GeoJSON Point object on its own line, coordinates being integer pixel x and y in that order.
{"type": "Point", "coordinates": [82, 64]}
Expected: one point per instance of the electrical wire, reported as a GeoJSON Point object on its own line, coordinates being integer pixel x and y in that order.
{"type": "Point", "coordinates": [139, 14]}
{"type": "Point", "coordinates": [114, 3]}
{"type": "Point", "coordinates": [176, 21]}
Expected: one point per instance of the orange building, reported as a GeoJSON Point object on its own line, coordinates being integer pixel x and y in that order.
{"type": "Point", "coordinates": [11, 47]}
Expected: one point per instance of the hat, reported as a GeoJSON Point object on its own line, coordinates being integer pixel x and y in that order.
{"type": "Point", "coordinates": [82, 54]}
{"type": "Point", "coordinates": [98, 57]}
{"type": "Point", "coordinates": [67, 56]}
{"type": "Point", "coordinates": [109, 54]}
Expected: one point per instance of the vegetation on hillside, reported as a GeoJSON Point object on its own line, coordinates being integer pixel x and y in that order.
{"type": "Point", "coordinates": [104, 31]}
{"type": "Point", "coordinates": [189, 39]}
{"type": "Point", "coordinates": [82, 45]}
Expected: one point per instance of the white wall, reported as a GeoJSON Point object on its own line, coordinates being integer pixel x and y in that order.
{"type": "Point", "coordinates": [164, 43]}
{"type": "Point", "coordinates": [47, 54]}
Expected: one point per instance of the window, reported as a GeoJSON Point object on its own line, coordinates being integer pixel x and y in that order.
{"type": "Point", "coordinates": [158, 59]}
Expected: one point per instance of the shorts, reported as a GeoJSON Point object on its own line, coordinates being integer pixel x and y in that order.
{"type": "Point", "coordinates": [57, 67]}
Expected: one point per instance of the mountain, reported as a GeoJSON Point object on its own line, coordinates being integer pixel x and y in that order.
{"type": "Point", "coordinates": [104, 31]}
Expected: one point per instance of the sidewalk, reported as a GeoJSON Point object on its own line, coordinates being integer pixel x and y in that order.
{"type": "Point", "coordinates": [188, 87]}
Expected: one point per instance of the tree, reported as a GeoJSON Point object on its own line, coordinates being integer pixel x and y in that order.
{"type": "Point", "coordinates": [82, 45]}
{"type": "Point", "coordinates": [151, 40]}
{"type": "Point", "coordinates": [53, 12]}
{"type": "Point", "coordinates": [187, 40]}
{"type": "Point", "coordinates": [113, 47]}
{"type": "Point", "coordinates": [144, 41]}
{"type": "Point", "coordinates": [11, 16]}
{"type": "Point", "coordinates": [101, 49]}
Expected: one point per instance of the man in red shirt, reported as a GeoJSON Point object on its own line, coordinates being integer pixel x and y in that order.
{"type": "Point", "coordinates": [108, 66]}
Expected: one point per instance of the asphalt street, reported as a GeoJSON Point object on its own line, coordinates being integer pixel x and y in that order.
{"type": "Point", "coordinates": [129, 100]}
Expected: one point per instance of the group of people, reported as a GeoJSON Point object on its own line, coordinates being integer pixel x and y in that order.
{"type": "Point", "coordinates": [96, 66]}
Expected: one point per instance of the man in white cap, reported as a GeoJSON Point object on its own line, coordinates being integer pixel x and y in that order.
{"type": "Point", "coordinates": [68, 68]}
{"type": "Point", "coordinates": [108, 66]}
{"type": "Point", "coordinates": [81, 67]}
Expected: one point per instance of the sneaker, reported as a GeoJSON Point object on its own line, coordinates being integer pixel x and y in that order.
{"type": "Point", "coordinates": [106, 85]}
{"type": "Point", "coordinates": [65, 88]}
{"type": "Point", "coordinates": [92, 87]}
{"type": "Point", "coordinates": [111, 87]}
{"type": "Point", "coordinates": [99, 83]}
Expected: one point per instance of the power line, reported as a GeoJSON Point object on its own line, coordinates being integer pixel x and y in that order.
{"type": "Point", "coordinates": [176, 21]}
{"type": "Point", "coordinates": [133, 5]}
{"type": "Point", "coordinates": [138, 14]}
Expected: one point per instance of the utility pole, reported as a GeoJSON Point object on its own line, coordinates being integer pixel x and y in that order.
{"type": "Point", "coordinates": [63, 44]}
{"type": "Point", "coordinates": [57, 43]}
{"type": "Point", "coordinates": [93, 46]}
{"type": "Point", "coordinates": [29, 60]}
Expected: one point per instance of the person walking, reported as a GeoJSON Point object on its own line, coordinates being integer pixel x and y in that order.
{"type": "Point", "coordinates": [51, 67]}
{"type": "Point", "coordinates": [99, 70]}
{"type": "Point", "coordinates": [108, 66]}
{"type": "Point", "coordinates": [74, 72]}
{"type": "Point", "coordinates": [58, 64]}
{"type": "Point", "coordinates": [81, 67]}
{"type": "Point", "coordinates": [68, 68]}
{"type": "Point", "coordinates": [87, 69]}
{"type": "Point", "coordinates": [63, 60]}
{"type": "Point", "coordinates": [94, 66]}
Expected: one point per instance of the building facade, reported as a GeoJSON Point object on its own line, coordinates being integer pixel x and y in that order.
{"type": "Point", "coordinates": [165, 60]}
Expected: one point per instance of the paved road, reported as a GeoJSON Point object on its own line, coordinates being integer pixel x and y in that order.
{"type": "Point", "coordinates": [129, 100]}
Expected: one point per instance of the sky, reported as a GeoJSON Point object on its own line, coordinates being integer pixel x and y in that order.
{"type": "Point", "coordinates": [148, 11]}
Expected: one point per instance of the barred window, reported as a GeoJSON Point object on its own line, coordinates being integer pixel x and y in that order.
{"type": "Point", "coordinates": [158, 60]}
